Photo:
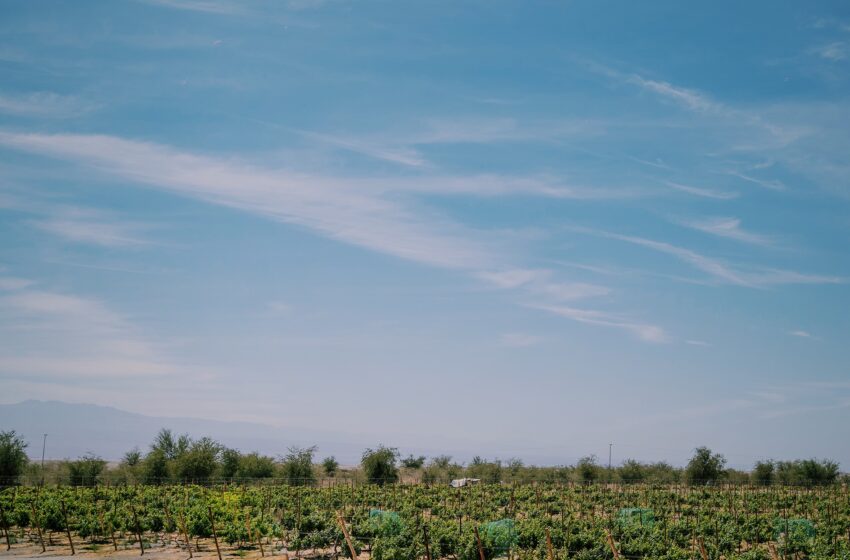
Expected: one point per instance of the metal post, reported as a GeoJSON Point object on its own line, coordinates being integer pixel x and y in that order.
{"type": "Point", "coordinates": [43, 447]}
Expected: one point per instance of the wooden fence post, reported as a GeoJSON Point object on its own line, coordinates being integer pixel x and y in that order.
{"type": "Point", "coordinates": [185, 533]}
{"type": "Point", "coordinates": [250, 535]}
{"type": "Point", "coordinates": [425, 539]}
{"type": "Point", "coordinates": [478, 541]}
{"type": "Point", "coordinates": [38, 528]}
{"type": "Point", "coordinates": [138, 530]}
{"type": "Point", "coordinates": [345, 534]}
{"type": "Point", "coordinates": [67, 528]}
{"type": "Point", "coordinates": [611, 544]}
{"type": "Point", "coordinates": [215, 535]}
{"type": "Point", "coordinates": [6, 528]}
{"type": "Point", "coordinates": [772, 549]}
{"type": "Point", "coordinates": [702, 551]}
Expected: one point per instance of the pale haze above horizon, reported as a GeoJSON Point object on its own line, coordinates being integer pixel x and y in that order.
{"type": "Point", "coordinates": [539, 226]}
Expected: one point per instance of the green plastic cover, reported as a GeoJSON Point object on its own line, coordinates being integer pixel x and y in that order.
{"type": "Point", "coordinates": [796, 528]}
{"type": "Point", "coordinates": [636, 516]}
{"type": "Point", "coordinates": [500, 535]}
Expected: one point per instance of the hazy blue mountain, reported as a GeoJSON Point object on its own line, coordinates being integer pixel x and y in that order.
{"type": "Point", "coordinates": [75, 429]}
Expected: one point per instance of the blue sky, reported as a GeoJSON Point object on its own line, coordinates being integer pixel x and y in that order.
{"type": "Point", "coordinates": [540, 227]}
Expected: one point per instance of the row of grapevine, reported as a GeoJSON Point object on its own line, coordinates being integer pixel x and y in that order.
{"type": "Point", "coordinates": [405, 522]}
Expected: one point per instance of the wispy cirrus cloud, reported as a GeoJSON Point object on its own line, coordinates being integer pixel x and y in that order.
{"type": "Point", "coordinates": [753, 130]}
{"type": "Point", "coordinates": [835, 51]}
{"type": "Point", "coordinates": [401, 155]}
{"type": "Point", "coordinates": [43, 105]}
{"type": "Point", "coordinates": [689, 98]}
{"type": "Point", "coordinates": [222, 7]}
{"type": "Point", "coordinates": [729, 228]}
{"type": "Point", "coordinates": [405, 147]}
{"type": "Point", "coordinates": [96, 227]}
{"type": "Point", "coordinates": [644, 331]}
{"type": "Point", "coordinates": [326, 205]}
{"type": "Point", "coordinates": [13, 283]}
{"type": "Point", "coordinates": [50, 334]}
{"type": "Point", "coordinates": [519, 340]}
{"type": "Point", "coordinates": [750, 276]}
{"type": "Point", "coordinates": [771, 184]}
{"type": "Point", "coordinates": [329, 206]}
{"type": "Point", "coordinates": [703, 192]}
{"type": "Point", "coordinates": [799, 333]}
{"type": "Point", "coordinates": [540, 282]}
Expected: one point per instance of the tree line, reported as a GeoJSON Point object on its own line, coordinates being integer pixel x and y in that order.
{"type": "Point", "coordinates": [173, 458]}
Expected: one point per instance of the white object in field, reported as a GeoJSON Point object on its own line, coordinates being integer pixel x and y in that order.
{"type": "Point", "coordinates": [459, 482]}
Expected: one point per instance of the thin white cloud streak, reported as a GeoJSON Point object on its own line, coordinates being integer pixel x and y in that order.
{"type": "Point", "coordinates": [404, 148]}
{"type": "Point", "coordinates": [691, 99]}
{"type": "Point", "coordinates": [83, 225]}
{"type": "Point", "coordinates": [326, 205]}
{"type": "Point", "coordinates": [221, 7]}
{"type": "Point", "coordinates": [539, 282]}
{"type": "Point", "coordinates": [801, 334]}
{"type": "Point", "coordinates": [43, 104]}
{"type": "Point", "coordinates": [51, 334]}
{"type": "Point", "coordinates": [12, 283]}
{"type": "Point", "coordinates": [703, 192]}
{"type": "Point", "coordinates": [729, 228]}
{"type": "Point", "coordinates": [493, 130]}
{"type": "Point", "coordinates": [835, 51]}
{"type": "Point", "coordinates": [519, 340]}
{"type": "Point", "coordinates": [645, 332]}
{"type": "Point", "coordinates": [752, 277]}
{"type": "Point", "coordinates": [700, 103]}
{"type": "Point", "coordinates": [767, 184]}
{"type": "Point", "coordinates": [401, 155]}
{"type": "Point", "coordinates": [498, 185]}
{"type": "Point", "coordinates": [334, 208]}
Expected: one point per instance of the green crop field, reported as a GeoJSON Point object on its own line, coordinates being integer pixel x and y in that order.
{"type": "Point", "coordinates": [404, 522]}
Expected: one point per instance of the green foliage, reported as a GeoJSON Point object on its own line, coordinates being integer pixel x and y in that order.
{"type": "Point", "coordinates": [379, 465]}
{"type": "Point", "coordinates": [198, 463]}
{"type": "Point", "coordinates": [155, 467]}
{"type": "Point", "coordinates": [170, 446]}
{"type": "Point", "coordinates": [411, 462]}
{"type": "Point", "coordinates": [86, 470]}
{"type": "Point", "coordinates": [807, 472]}
{"type": "Point", "coordinates": [330, 466]}
{"type": "Point", "coordinates": [488, 472]}
{"type": "Point", "coordinates": [13, 457]}
{"type": "Point", "coordinates": [632, 472]}
{"type": "Point", "coordinates": [763, 473]}
{"type": "Point", "coordinates": [575, 517]}
{"type": "Point", "coordinates": [229, 463]}
{"type": "Point", "coordinates": [298, 466]}
{"type": "Point", "coordinates": [254, 465]}
{"type": "Point", "coordinates": [132, 458]}
{"type": "Point", "coordinates": [705, 467]}
{"type": "Point", "coordinates": [588, 470]}
{"type": "Point", "coordinates": [441, 461]}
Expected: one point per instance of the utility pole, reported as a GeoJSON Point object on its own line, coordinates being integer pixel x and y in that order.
{"type": "Point", "coordinates": [43, 447]}
{"type": "Point", "coordinates": [610, 445]}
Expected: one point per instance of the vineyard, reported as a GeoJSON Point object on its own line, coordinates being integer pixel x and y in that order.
{"type": "Point", "coordinates": [405, 522]}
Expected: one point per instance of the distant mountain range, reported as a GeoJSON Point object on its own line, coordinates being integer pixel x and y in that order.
{"type": "Point", "coordinates": [76, 429]}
